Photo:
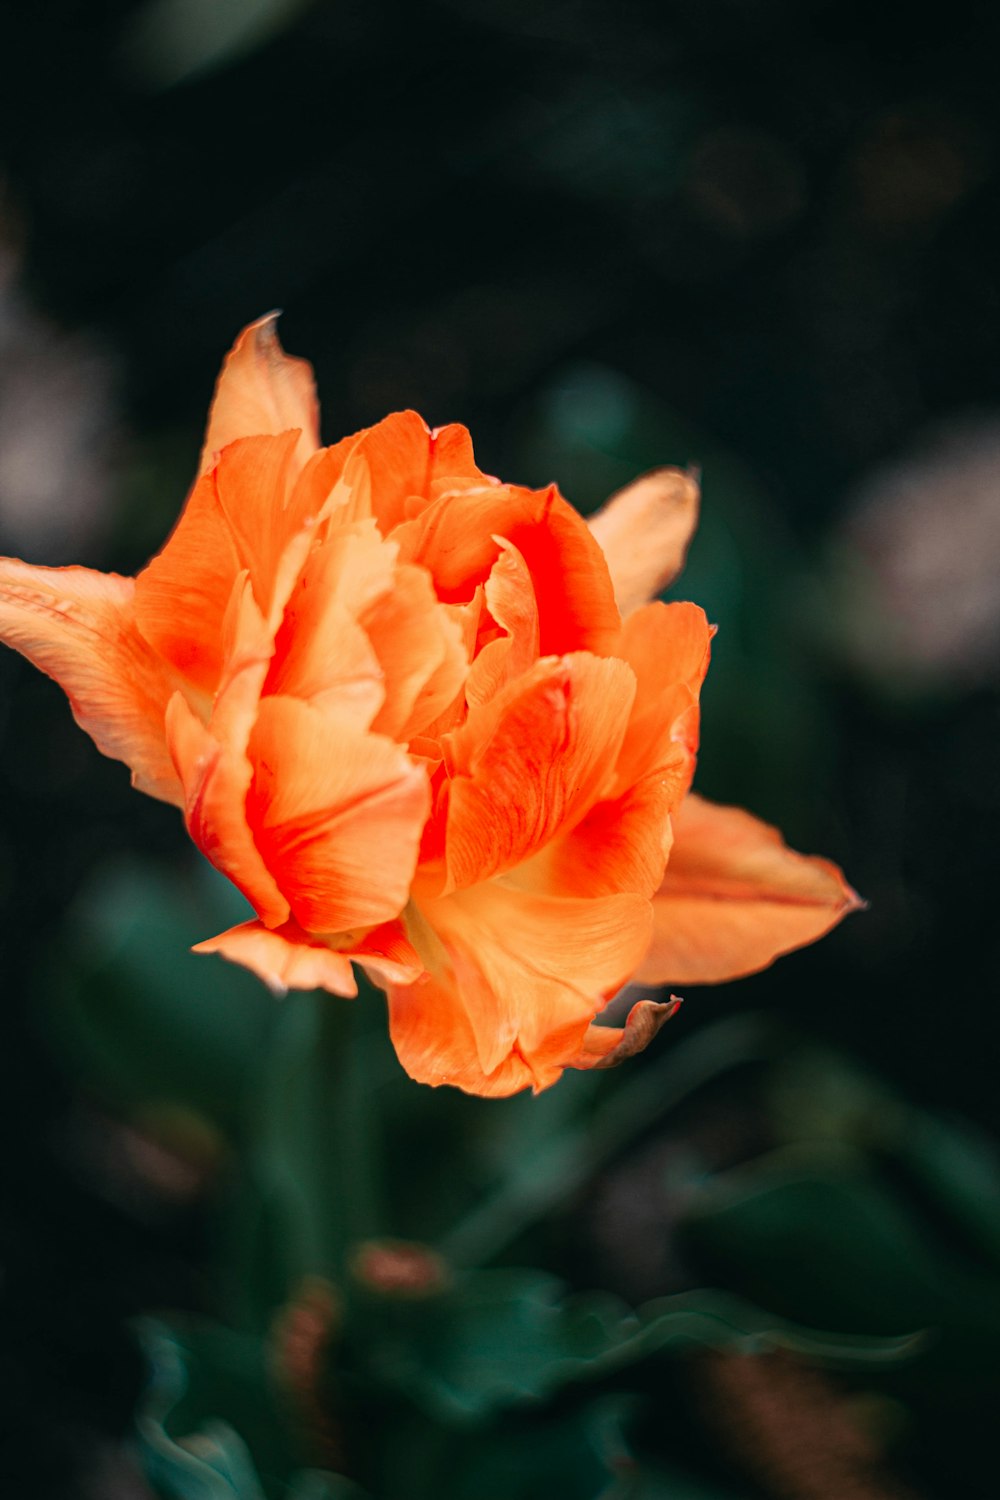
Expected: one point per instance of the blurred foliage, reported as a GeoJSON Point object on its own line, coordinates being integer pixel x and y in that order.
{"type": "Point", "coordinates": [852, 1220]}
{"type": "Point", "coordinates": [155, 1025]}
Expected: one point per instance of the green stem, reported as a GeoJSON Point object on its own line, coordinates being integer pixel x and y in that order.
{"type": "Point", "coordinates": [313, 1163]}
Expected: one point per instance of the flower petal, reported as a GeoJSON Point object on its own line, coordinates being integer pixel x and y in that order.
{"type": "Point", "coordinates": [552, 754]}
{"type": "Point", "coordinates": [621, 845]}
{"type": "Point", "coordinates": [262, 391]}
{"type": "Point", "coordinates": [407, 465]}
{"type": "Point", "coordinates": [644, 532]}
{"type": "Point", "coordinates": [212, 760]}
{"type": "Point", "coordinates": [234, 518]}
{"type": "Point", "coordinates": [735, 897]}
{"type": "Point", "coordinates": [608, 1046]}
{"type": "Point", "coordinates": [623, 842]}
{"type": "Point", "coordinates": [510, 596]}
{"type": "Point", "coordinates": [516, 980]}
{"type": "Point", "coordinates": [255, 494]}
{"type": "Point", "coordinates": [458, 538]}
{"type": "Point", "coordinates": [668, 648]}
{"type": "Point", "coordinates": [216, 778]}
{"type": "Point", "coordinates": [421, 651]}
{"type": "Point", "coordinates": [78, 626]}
{"type": "Point", "coordinates": [321, 650]}
{"type": "Point", "coordinates": [287, 958]}
{"type": "Point", "coordinates": [336, 813]}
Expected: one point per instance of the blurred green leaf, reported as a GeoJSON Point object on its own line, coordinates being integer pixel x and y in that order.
{"type": "Point", "coordinates": [572, 1455]}
{"type": "Point", "coordinates": [953, 1169]}
{"type": "Point", "coordinates": [814, 1234]}
{"type": "Point", "coordinates": [499, 1339]}
{"type": "Point", "coordinates": [811, 1234]}
{"type": "Point", "coordinates": [209, 1425]}
{"type": "Point", "coordinates": [959, 1168]}
{"type": "Point", "coordinates": [139, 1018]}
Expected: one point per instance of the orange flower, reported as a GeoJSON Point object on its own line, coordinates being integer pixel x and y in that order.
{"type": "Point", "coordinates": [401, 711]}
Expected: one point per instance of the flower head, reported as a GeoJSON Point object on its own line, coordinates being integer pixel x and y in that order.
{"type": "Point", "coordinates": [401, 710]}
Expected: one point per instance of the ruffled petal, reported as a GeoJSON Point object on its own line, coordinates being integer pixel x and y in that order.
{"type": "Point", "coordinates": [234, 519]}
{"type": "Point", "coordinates": [735, 897]}
{"type": "Point", "coordinates": [264, 513]}
{"type": "Point", "coordinates": [623, 842]}
{"type": "Point", "coordinates": [336, 813]}
{"type": "Point", "coordinates": [668, 648]}
{"type": "Point", "coordinates": [458, 538]}
{"type": "Point", "coordinates": [182, 595]}
{"type": "Point", "coordinates": [621, 845]}
{"type": "Point", "coordinates": [405, 465]}
{"type": "Point", "coordinates": [644, 532]}
{"type": "Point", "coordinates": [262, 391]}
{"type": "Point", "coordinates": [287, 958]}
{"type": "Point", "coordinates": [212, 762]}
{"type": "Point", "coordinates": [78, 626]}
{"type": "Point", "coordinates": [539, 771]}
{"type": "Point", "coordinates": [216, 778]}
{"type": "Point", "coordinates": [421, 652]}
{"type": "Point", "coordinates": [321, 651]}
{"type": "Point", "coordinates": [510, 596]}
{"type": "Point", "coordinates": [514, 982]}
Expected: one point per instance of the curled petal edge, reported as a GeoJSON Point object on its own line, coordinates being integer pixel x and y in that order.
{"type": "Point", "coordinates": [287, 958]}
{"type": "Point", "coordinates": [608, 1046]}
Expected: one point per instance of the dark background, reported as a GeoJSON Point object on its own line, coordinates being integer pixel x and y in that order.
{"type": "Point", "coordinates": [759, 237]}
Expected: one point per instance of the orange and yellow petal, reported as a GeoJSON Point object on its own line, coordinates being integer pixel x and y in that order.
{"type": "Point", "coordinates": [216, 778]}
{"type": "Point", "coordinates": [211, 757]}
{"type": "Point", "coordinates": [668, 647]}
{"type": "Point", "coordinates": [264, 513]}
{"type": "Point", "coordinates": [288, 958]}
{"type": "Point", "coordinates": [644, 531]}
{"type": "Point", "coordinates": [509, 594]}
{"type": "Point", "coordinates": [458, 538]}
{"type": "Point", "coordinates": [421, 653]}
{"type": "Point", "coordinates": [233, 521]}
{"type": "Point", "coordinates": [404, 465]}
{"type": "Point", "coordinates": [623, 841]}
{"type": "Point", "coordinates": [539, 771]}
{"type": "Point", "coordinates": [336, 813]}
{"type": "Point", "coordinates": [620, 845]}
{"type": "Point", "coordinates": [735, 897]}
{"type": "Point", "coordinates": [514, 981]}
{"type": "Point", "coordinates": [78, 626]}
{"type": "Point", "coordinates": [321, 651]}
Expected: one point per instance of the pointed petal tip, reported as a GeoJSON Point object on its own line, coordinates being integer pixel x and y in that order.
{"type": "Point", "coordinates": [261, 390]}
{"type": "Point", "coordinates": [264, 332]}
{"type": "Point", "coordinates": [735, 898]}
